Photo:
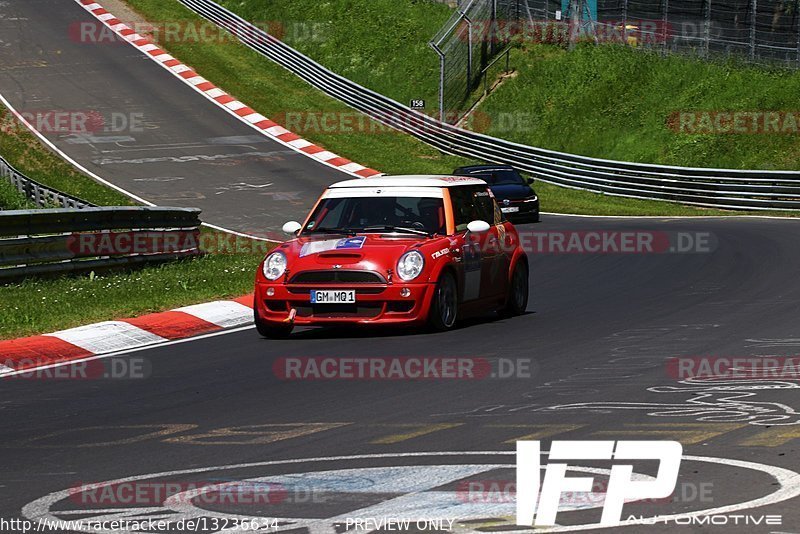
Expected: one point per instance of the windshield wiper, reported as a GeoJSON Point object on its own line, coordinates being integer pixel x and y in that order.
{"type": "Point", "coordinates": [391, 228]}
{"type": "Point", "coordinates": [343, 231]}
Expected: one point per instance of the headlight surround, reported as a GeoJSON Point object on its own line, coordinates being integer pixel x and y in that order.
{"type": "Point", "coordinates": [274, 266]}
{"type": "Point", "coordinates": [410, 265]}
{"type": "Point", "coordinates": [534, 198]}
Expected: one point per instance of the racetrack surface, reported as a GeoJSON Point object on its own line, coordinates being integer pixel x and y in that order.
{"type": "Point", "coordinates": [598, 333]}
{"type": "Point", "coordinates": [152, 141]}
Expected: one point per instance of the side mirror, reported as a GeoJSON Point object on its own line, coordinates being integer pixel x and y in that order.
{"type": "Point", "coordinates": [530, 181]}
{"type": "Point", "coordinates": [478, 227]}
{"type": "Point", "coordinates": [291, 227]}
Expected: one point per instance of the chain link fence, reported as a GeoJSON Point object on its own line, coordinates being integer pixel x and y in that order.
{"type": "Point", "coordinates": [757, 30]}
{"type": "Point", "coordinates": [466, 44]}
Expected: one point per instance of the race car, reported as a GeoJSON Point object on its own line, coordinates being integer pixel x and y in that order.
{"type": "Point", "coordinates": [514, 194]}
{"type": "Point", "coordinates": [394, 250]}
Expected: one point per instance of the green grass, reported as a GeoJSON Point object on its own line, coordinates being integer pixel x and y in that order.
{"type": "Point", "coordinates": [37, 306]}
{"type": "Point", "coordinates": [273, 91]}
{"type": "Point", "coordinates": [11, 199]}
{"type": "Point", "coordinates": [614, 102]}
{"type": "Point", "coordinates": [380, 44]}
{"type": "Point", "coordinates": [25, 152]}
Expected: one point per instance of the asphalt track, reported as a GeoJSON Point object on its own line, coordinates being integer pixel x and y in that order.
{"type": "Point", "coordinates": [599, 330]}
{"type": "Point", "coordinates": [598, 333]}
{"type": "Point", "coordinates": [151, 141]}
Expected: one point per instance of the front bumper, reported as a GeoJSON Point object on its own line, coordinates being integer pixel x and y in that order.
{"type": "Point", "coordinates": [527, 211]}
{"type": "Point", "coordinates": [375, 304]}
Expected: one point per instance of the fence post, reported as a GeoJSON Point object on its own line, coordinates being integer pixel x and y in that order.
{"type": "Point", "coordinates": [665, 23]}
{"type": "Point", "coordinates": [753, 12]}
{"type": "Point", "coordinates": [625, 22]}
{"type": "Point", "coordinates": [708, 27]}
{"type": "Point", "coordinates": [441, 79]}
{"type": "Point", "coordinates": [469, 52]}
{"type": "Point", "coordinates": [798, 38]}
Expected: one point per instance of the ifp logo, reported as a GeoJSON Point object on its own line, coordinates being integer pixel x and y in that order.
{"type": "Point", "coordinates": [621, 487]}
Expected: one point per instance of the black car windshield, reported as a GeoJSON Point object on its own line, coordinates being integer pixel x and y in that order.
{"type": "Point", "coordinates": [378, 214]}
{"type": "Point", "coordinates": [500, 177]}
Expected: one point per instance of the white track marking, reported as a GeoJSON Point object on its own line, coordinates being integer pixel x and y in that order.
{"type": "Point", "coordinates": [107, 336]}
{"type": "Point", "coordinates": [788, 483]}
{"type": "Point", "coordinates": [224, 313]}
{"type": "Point", "coordinates": [128, 351]}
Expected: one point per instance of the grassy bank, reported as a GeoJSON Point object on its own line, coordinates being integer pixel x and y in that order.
{"type": "Point", "coordinates": [40, 306]}
{"type": "Point", "coordinates": [609, 101]}
{"type": "Point", "coordinates": [272, 90]}
{"type": "Point", "coordinates": [614, 102]}
{"type": "Point", "coordinates": [25, 152]}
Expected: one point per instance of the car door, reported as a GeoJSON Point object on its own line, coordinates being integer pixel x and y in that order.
{"type": "Point", "coordinates": [480, 262]}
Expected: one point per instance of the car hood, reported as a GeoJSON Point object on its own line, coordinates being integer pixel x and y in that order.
{"type": "Point", "coordinates": [511, 191]}
{"type": "Point", "coordinates": [373, 252]}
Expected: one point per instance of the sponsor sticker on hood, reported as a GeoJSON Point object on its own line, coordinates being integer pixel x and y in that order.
{"type": "Point", "coordinates": [315, 247]}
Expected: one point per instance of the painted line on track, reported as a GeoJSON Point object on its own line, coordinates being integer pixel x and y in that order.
{"type": "Point", "coordinates": [788, 483]}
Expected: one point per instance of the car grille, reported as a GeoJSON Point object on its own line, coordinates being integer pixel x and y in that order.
{"type": "Point", "coordinates": [337, 276]}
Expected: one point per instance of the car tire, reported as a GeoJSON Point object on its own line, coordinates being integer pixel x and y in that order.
{"type": "Point", "coordinates": [444, 306]}
{"type": "Point", "coordinates": [517, 299]}
{"type": "Point", "coordinates": [272, 330]}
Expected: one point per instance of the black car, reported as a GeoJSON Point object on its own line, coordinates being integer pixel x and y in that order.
{"type": "Point", "coordinates": [516, 197]}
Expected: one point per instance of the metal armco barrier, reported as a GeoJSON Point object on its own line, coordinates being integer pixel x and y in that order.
{"type": "Point", "coordinates": [38, 193]}
{"type": "Point", "coordinates": [35, 242]}
{"type": "Point", "coordinates": [722, 188]}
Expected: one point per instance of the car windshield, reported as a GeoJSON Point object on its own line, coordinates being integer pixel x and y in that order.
{"type": "Point", "coordinates": [500, 177]}
{"type": "Point", "coordinates": [378, 214]}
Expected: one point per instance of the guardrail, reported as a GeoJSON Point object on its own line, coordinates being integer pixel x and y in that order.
{"type": "Point", "coordinates": [41, 194]}
{"type": "Point", "coordinates": [722, 188]}
{"type": "Point", "coordinates": [55, 241]}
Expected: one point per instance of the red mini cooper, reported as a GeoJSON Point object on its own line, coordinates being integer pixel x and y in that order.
{"type": "Point", "coordinates": [394, 250]}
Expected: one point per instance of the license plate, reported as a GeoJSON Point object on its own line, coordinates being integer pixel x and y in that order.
{"type": "Point", "coordinates": [512, 209]}
{"type": "Point", "coordinates": [333, 296]}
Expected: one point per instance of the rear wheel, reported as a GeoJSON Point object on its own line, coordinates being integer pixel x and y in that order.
{"type": "Point", "coordinates": [272, 330]}
{"type": "Point", "coordinates": [444, 307]}
{"type": "Point", "coordinates": [517, 301]}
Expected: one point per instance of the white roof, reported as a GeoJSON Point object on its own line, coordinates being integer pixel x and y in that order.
{"type": "Point", "coordinates": [410, 180]}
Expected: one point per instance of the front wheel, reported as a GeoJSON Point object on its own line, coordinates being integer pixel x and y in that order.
{"type": "Point", "coordinates": [272, 330]}
{"type": "Point", "coordinates": [517, 300]}
{"type": "Point", "coordinates": [444, 307]}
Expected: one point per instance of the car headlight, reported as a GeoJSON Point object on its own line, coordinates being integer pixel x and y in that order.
{"type": "Point", "coordinates": [534, 198]}
{"type": "Point", "coordinates": [274, 265]}
{"type": "Point", "coordinates": [410, 265]}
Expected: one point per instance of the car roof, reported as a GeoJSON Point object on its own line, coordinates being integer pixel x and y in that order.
{"type": "Point", "coordinates": [410, 180]}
